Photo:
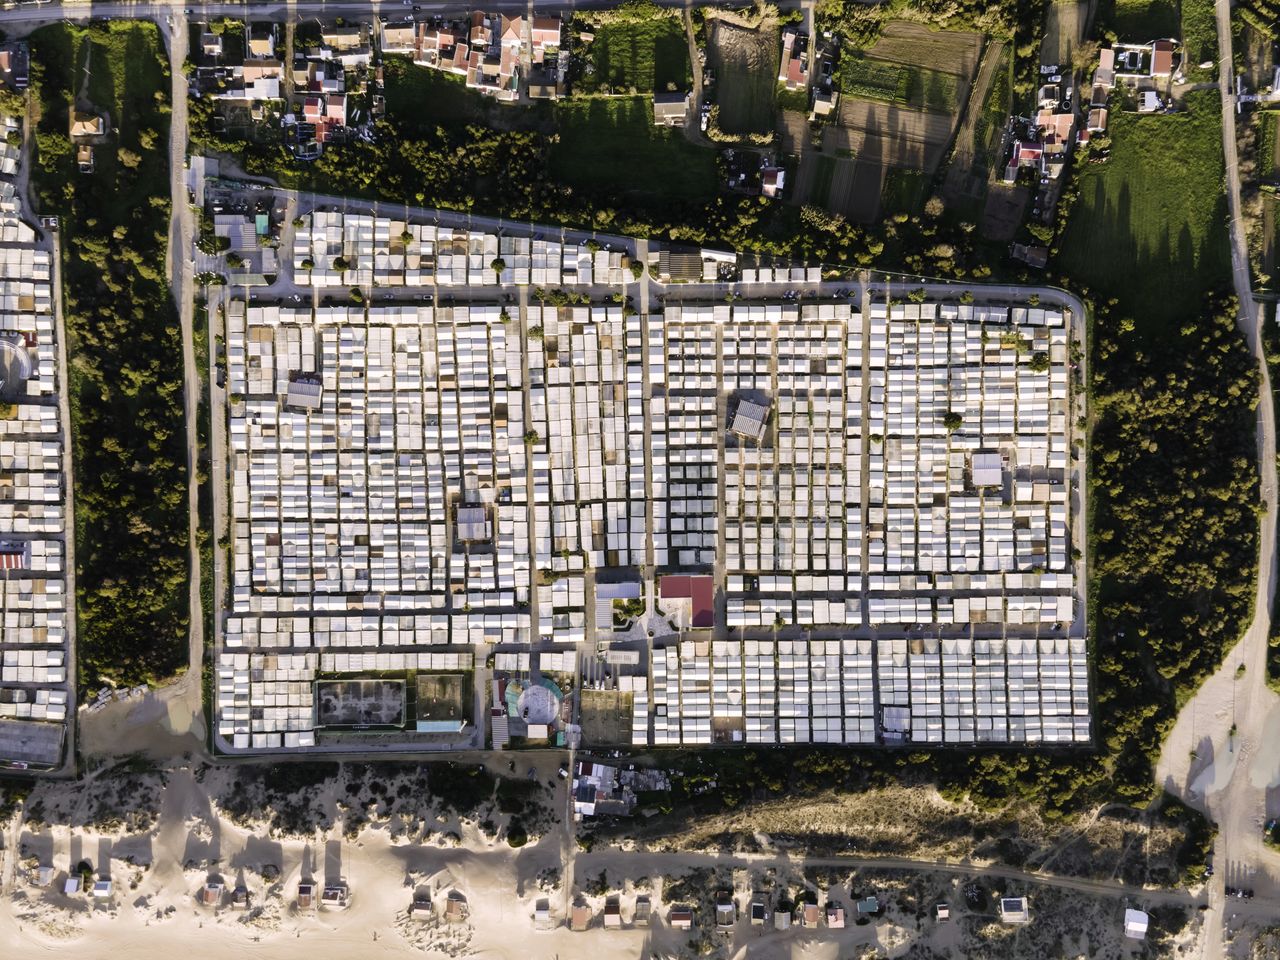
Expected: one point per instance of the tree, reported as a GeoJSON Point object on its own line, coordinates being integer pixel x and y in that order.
{"type": "Point", "coordinates": [952, 421]}
{"type": "Point", "coordinates": [1039, 361]}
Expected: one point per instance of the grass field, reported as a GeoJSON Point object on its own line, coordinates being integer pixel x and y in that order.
{"type": "Point", "coordinates": [638, 56]}
{"type": "Point", "coordinates": [746, 69]}
{"type": "Point", "coordinates": [904, 191]}
{"type": "Point", "coordinates": [1141, 21]}
{"type": "Point", "coordinates": [612, 143]}
{"type": "Point", "coordinates": [420, 98]}
{"type": "Point", "coordinates": [1149, 224]}
{"type": "Point", "coordinates": [904, 84]}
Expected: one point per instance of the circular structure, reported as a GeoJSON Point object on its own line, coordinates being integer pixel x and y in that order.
{"type": "Point", "coordinates": [537, 704]}
{"type": "Point", "coordinates": [15, 367]}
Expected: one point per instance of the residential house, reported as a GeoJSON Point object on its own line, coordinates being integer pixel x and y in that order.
{"type": "Point", "coordinates": [942, 912]}
{"type": "Point", "coordinates": [810, 914]}
{"type": "Point", "coordinates": [1162, 59]}
{"type": "Point", "coordinates": [773, 180]}
{"type": "Point", "coordinates": [1097, 121]}
{"type": "Point", "coordinates": [544, 38]}
{"type": "Point", "coordinates": [348, 44]}
{"type": "Point", "coordinates": [87, 125]}
{"type": "Point", "coordinates": [1055, 130]}
{"type": "Point", "coordinates": [759, 913]}
{"type": "Point", "coordinates": [455, 908]}
{"type": "Point", "coordinates": [726, 911]}
{"type": "Point", "coordinates": [15, 58]}
{"type": "Point", "coordinates": [1035, 255]}
{"type": "Point", "coordinates": [306, 895]}
{"type": "Point", "coordinates": [1105, 75]}
{"type": "Point", "coordinates": [84, 158]}
{"type": "Point", "coordinates": [262, 40]}
{"type": "Point", "coordinates": [579, 917]}
{"type": "Point", "coordinates": [442, 46]}
{"type": "Point", "coordinates": [868, 906]}
{"type": "Point", "coordinates": [1149, 102]}
{"type": "Point", "coordinates": [1135, 924]}
{"type": "Point", "coordinates": [399, 36]}
{"type": "Point", "coordinates": [835, 916]}
{"type": "Point", "coordinates": [1014, 910]}
{"type": "Point", "coordinates": [793, 70]}
{"type": "Point", "coordinates": [1136, 63]}
{"type": "Point", "coordinates": [644, 909]}
{"type": "Point", "coordinates": [612, 914]}
{"type": "Point", "coordinates": [598, 792]}
{"type": "Point", "coordinates": [680, 918]}
{"type": "Point", "coordinates": [211, 893]}
{"type": "Point", "coordinates": [542, 915]}
{"type": "Point", "coordinates": [670, 109]}
{"type": "Point", "coordinates": [335, 895]}
{"type": "Point", "coordinates": [493, 62]}
{"type": "Point", "coordinates": [825, 102]}
{"type": "Point", "coordinates": [211, 44]}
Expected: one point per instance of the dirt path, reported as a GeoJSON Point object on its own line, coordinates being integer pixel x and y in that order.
{"type": "Point", "coordinates": [692, 123]}
{"type": "Point", "coordinates": [640, 863]}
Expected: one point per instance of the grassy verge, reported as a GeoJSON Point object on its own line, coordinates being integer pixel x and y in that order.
{"type": "Point", "coordinates": [124, 345]}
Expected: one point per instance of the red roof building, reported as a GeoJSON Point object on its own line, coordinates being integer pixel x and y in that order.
{"type": "Point", "coordinates": [699, 590]}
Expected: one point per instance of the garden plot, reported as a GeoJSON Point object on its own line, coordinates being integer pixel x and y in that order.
{"type": "Point", "coordinates": [745, 62]}
{"type": "Point", "coordinates": [900, 107]}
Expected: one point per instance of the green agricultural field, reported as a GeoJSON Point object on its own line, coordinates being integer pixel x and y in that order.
{"type": "Point", "coordinates": [125, 387]}
{"type": "Point", "coordinates": [1149, 224]}
{"type": "Point", "coordinates": [638, 56]}
{"type": "Point", "coordinates": [612, 145]}
{"type": "Point", "coordinates": [919, 87]}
